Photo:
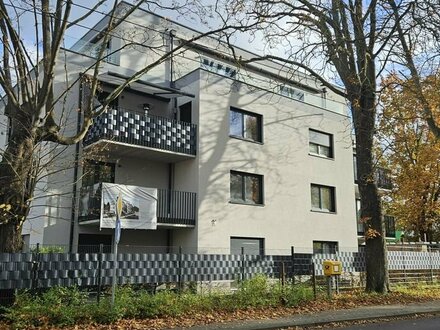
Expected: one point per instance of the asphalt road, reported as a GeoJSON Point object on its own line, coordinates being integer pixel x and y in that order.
{"type": "Point", "coordinates": [429, 323]}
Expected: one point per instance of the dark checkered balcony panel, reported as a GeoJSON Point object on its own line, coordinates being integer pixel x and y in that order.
{"type": "Point", "coordinates": [137, 129]}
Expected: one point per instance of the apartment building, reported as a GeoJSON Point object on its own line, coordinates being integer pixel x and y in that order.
{"type": "Point", "coordinates": [206, 156]}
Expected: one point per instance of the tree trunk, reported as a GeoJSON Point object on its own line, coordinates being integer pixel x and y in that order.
{"type": "Point", "coordinates": [17, 179]}
{"type": "Point", "coordinates": [10, 237]}
{"type": "Point", "coordinates": [371, 213]}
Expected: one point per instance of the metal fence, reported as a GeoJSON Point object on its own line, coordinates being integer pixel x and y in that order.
{"type": "Point", "coordinates": [44, 267]}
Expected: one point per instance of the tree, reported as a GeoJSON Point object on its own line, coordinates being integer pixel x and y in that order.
{"type": "Point", "coordinates": [352, 39]}
{"type": "Point", "coordinates": [30, 101]}
{"type": "Point", "coordinates": [412, 153]}
{"type": "Point", "coordinates": [417, 51]}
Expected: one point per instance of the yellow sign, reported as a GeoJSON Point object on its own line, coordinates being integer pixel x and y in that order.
{"type": "Point", "coordinates": [332, 267]}
{"type": "Point", "coordinates": [119, 206]}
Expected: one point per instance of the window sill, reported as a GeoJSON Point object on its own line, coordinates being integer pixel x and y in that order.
{"type": "Point", "coordinates": [244, 139]}
{"type": "Point", "coordinates": [244, 203]}
{"type": "Point", "coordinates": [323, 211]}
{"type": "Point", "coordinates": [321, 156]}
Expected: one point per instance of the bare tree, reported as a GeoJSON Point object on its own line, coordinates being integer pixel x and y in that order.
{"type": "Point", "coordinates": [349, 41]}
{"type": "Point", "coordinates": [29, 100]}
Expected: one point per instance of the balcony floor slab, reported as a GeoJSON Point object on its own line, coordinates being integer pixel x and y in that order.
{"type": "Point", "coordinates": [108, 149]}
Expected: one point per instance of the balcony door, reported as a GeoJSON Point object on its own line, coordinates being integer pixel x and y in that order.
{"type": "Point", "coordinates": [96, 172]}
{"type": "Point", "coordinates": [185, 112]}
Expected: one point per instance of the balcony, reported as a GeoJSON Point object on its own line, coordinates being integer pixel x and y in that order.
{"type": "Point", "coordinates": [383, 178]}
{"type": "Point", "coordinates": [390, 227]}
{"type": "Point", "coordinates": [125, 132]}
{"type": "Point", "coordinates": [174, 208]}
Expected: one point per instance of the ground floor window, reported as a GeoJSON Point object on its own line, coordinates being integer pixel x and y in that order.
{"type": "Point", "coordinates": [89, 243]}
{"type": "Point", "coordinates": [324, 247]}
{"type": "Point", "coordinates": [248, 245]}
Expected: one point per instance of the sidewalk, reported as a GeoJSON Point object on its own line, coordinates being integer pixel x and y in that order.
{"type": "Point", "coordinates": [360, 313]}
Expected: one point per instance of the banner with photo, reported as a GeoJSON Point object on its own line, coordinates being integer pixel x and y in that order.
{"type": "Point", "coordinates": [139, 205]}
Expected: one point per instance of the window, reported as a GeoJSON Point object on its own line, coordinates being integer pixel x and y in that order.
{"type": "Point", "coordinates": [323, 198]}
{"type": "Point", "coordinates": [101, 96]}
{"type": "Point", "coordinates": [219, 68]}
{"type": "Point", "coordinates": [245, 125]}
{"type": "Point", "coordinates": [355, 168]}
{"type": "Point", "coordinates": [250, 245]}
{"type": "Point", "coordinates": [246, 188]}
{"type": "Point", "coordinates": [322, 247]}
{"type": "Point", "coordinates": [320, 143]}
{"type": "Point", "coordinates": [390, 226]}
{"type": "Point", "coordinates": [96, 172]}
{"type": "Point", "coordinates": [291, 93]}
{"type": "Point", "coordinates": [360, 224]}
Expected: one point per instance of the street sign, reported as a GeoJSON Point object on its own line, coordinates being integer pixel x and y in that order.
{"type": "Point", "coordinates": [119, 206]}
{"type": "Point", "coordinates": [118, 219]}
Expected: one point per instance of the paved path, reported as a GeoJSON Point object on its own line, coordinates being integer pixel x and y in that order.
{"type": "Point", "coordinates": [359, 313]}
{"type": "Point", "coordinates": [428, 323]}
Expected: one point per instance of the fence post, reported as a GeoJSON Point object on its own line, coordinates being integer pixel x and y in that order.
{"type": "Point", "coordinates": [314, 280]}
{"type": "Point", "coordinates": [430, 264]}
{"type": "Point", "coordinates": [292, 254]}
{"type": "Point", "coordinates": [242, 263]}
{"type": "Point", "coordinates": [283, 274]}
{"type": "Point", "coordinates": [35, 266]}
{"type": "Point", "coordinates": [404, 265]}
{"type": "Point", "coordinates": [180, 269]}
{"type": "Point", "coordinates": [101, 250]}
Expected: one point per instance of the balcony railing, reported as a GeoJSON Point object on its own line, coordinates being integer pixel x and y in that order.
{"type": "Point", "coordinates": [390, 226]}
{"type": "Point", "coordinates": [173, 207]}
{"type": "Point", "coordinates": [149, 131]}
{"type": "Point", "coordinates": [383, 177]}
{"type": "Point", "coordinates": [92, 49]}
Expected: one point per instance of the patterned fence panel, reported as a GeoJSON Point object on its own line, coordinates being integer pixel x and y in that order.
{"type": "Point", "coordinates": [352, 262]}
{"type": "Point", "coordinates": [413, 260]}
{"type": "Point", "coordinates": [32, 270]}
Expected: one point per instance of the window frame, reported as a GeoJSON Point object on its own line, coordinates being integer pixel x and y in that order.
{"type": "Point", "coordinates": [332, 197]}
{"type": "Point", "coordinates": [321, 154]}
{"type": "Point", "coordinates": [243, 199]}
{"type": "Point", "coordinates": [260, 240]}
{"type": "Point", "coordinates": [334, 248]}
{"type": "Point", "coordinates": [243, 113]}
{"type": "Point", "coordinates": [96, 174]}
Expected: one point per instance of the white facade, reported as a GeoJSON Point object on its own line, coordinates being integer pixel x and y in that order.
{"type": "Point", "coordinates": [280, 162]}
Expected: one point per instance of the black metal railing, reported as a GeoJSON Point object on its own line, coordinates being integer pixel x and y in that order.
{"type": "Point", "coordinates": [383, 178]}
{"type": "Point", "coordinates": [176, 207]}
{"type": "Point", "coordinates": [173, 207]}
{"type": "Point", "coordinates": [390, 226]}
{"type": "Point", "coordinates": [131, 127]}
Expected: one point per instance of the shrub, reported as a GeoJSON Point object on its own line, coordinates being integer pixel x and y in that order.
{"type": "Point", "coordinates": [61, 306]}
{"type": "Point", "coordinates": [68, 306]}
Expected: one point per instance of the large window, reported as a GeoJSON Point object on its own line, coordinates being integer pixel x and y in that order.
{"type": "Point", "coordinates": [247, 245]}
{"type": "Point", "coordinates": [320, 143]}
{"type": "Point", "coordinates": [245, 125]}
{"type": "Point", "coordinates": [291, 93]}
{"type": "Point", "coordinates": [323, 198]}
{"type": "Point", "coordinates": [96, 172]}
{"type": "Point", "coordinates": [219, 68]}
{"type": "Point", "coordinates": [323, 247]}
{"type": "Point", "coordinates": [246, 188]}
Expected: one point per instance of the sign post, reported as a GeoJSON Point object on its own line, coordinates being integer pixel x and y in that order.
{"type": "Point", "coordinates": [115, 243]}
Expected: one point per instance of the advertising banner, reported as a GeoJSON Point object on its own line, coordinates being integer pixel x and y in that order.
{"type": "Point", "coordinates": [139, 205]}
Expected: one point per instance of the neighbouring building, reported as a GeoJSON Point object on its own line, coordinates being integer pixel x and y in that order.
{"type": "Point", "coordinates": [218, 158]}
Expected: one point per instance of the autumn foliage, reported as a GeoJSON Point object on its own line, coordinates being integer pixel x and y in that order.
{"type": "Point", "coordinates": [412, 152]}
